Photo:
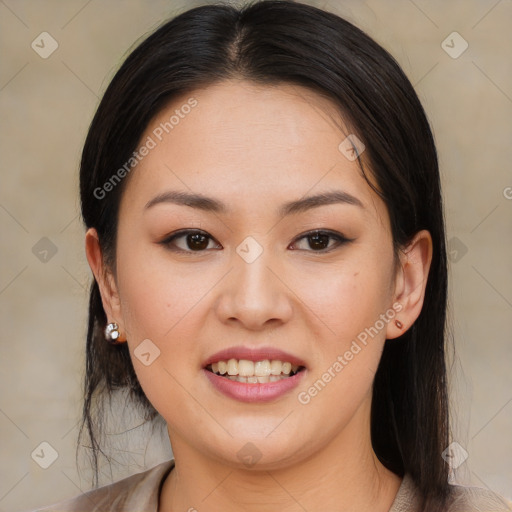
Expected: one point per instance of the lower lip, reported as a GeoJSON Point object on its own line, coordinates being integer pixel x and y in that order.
{"type": "Point", "coordinates": [253, 392]}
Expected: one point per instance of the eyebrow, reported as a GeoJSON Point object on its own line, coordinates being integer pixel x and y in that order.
{"type": "Point", "coordinates": [322, 199]}
{"type": "Point", "coordinates": [209, 204]}
{"type": "Point", "coordinates": [198, 201]}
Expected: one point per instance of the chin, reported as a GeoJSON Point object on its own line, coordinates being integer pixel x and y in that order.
{"type": "Point", "coordinates": [263, 452]}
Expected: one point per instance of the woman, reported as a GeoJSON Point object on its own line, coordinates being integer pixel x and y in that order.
{"type": "Point", "coordinates": [264, 223]}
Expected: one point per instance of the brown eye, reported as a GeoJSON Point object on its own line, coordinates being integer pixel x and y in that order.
{"type": "Point", "coordinates": [197, 242]}
{"type": "Point", "coordinates": [190, 241]}
{"type": "Point", "coordinates": [320, 241]}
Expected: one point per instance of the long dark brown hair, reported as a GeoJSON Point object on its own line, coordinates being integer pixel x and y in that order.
{"type": "Point", "coordinates": [273, 42]}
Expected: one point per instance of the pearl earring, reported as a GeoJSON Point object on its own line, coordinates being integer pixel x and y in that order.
{"type": "Point", "coordinates": [112, 334]}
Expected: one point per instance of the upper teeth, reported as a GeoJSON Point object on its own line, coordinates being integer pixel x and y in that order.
{"type": "Point", "coordinates": [246, 368]}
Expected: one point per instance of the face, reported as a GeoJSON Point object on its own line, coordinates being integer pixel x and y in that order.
{"type": "Point", "coordinates": [251, 269]}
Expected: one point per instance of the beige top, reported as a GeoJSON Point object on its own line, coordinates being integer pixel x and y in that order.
{"type": "Point", "coordinates": [140, 492]}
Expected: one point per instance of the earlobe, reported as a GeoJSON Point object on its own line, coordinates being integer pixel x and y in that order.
{"type": "Point", "coordinates": [410, 282]}
{"type": "Point", "coordinates": [103, 276]}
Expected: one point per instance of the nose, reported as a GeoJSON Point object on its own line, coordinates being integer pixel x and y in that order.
{"type": "Point", "coordinates": [253, 296]}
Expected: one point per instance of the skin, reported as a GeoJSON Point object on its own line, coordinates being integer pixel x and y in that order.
{"type": "Point", "coordinates": [254, 148]}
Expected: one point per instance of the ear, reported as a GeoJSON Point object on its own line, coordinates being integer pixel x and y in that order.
{"type": "Point", "coordinates": [104, 278]}
{"type": "Point", "coordinates": [410, 282]}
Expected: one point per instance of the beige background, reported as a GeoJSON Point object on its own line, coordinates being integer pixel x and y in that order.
{"type": "Point", "coordinates": [46, 106]}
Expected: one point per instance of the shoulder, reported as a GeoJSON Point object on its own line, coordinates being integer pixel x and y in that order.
{"type": "Point", "coordinates": [476, 499]}
{"type": "Point", "coordinates": [461, 499]}
{"type": "Point", "coordinates": [137, 493]}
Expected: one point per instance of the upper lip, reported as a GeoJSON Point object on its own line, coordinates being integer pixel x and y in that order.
{"type": "Point", "coordinates": [253, 354]}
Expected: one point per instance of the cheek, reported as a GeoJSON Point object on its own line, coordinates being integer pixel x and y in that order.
{"type": "Point", "coordinates": [346, 299]}
{"type": "Point", "coordinates": [166, 304]}
{"type": "Point", "coordinates": [156, 295]}
{"type": "Point", "coordinates": [348, 304]}
{"type": "Point", "coordinates": [350, 338]}
{"type": "Point", "coordinates": [161, 305]}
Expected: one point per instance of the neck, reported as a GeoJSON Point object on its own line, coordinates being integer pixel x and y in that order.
{"type": "Point", "coordinates": [345, 476]}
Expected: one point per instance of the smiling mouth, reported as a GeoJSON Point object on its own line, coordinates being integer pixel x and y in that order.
{"type": "Point", "coordinates": [254, 372]}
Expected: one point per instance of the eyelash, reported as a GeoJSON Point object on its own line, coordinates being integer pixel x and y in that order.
{"type": "Point", "coordinates": [338, 237]}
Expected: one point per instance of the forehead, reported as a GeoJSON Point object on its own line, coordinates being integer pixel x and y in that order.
{"type": "Point", "coordinates": [249, 144]}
